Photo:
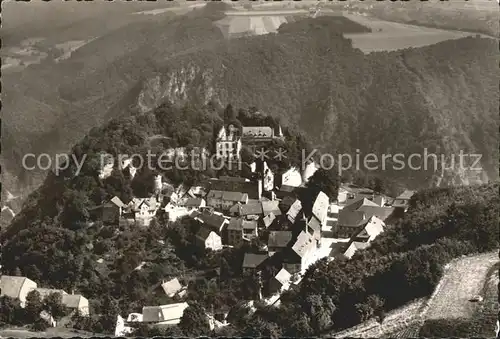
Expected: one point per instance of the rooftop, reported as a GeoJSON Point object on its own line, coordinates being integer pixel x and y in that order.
{"type": "Point", "coordinates": [279, 238]}
{"type": "Point", "coordinates": [163, 312]}
{"type": "Point", "coordinates": [11, 285]}
{"type": "Point", "coordinates": [252, 260]}
{"type": "Point", "coordinates": [351, 218]}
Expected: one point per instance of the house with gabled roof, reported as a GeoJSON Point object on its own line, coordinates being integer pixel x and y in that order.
{"type": "Point", "coordinates": [251, 209]}
{"type": "Point", "coordinates": [16, 287]}
{"type": "Point", "coordinates": [44, 292]}
{"type": "Point", "coordinates": [212, 220]}
{"type": "Point", "coordinates": [76, 302]}
{"type": "Point", "coordinates": [109, 212]}
{"type": "Point", "coordinates": [234, 232]}
{"type": "Point", "coordinates": [253, 261]}
{"type": "Point", "coordinates": [224, 200]}
{"type": "Point", "coordinates": [208, 239]}
{"type": "Point", "coordinates": [279, 281]}
{"type": "Point", "coordinates": [145, 209]}
{"type": "Point", "coordinates": [191, 203]}
{"type": "Point", "coordinates": [402, 201]}
{"type": "Point", "coordinates": [294, 211]}
{"type": "Point", "coordinates": [253, 188]}
{"type": "Point", "coordinates": [269, 219]}
{"type": "Point", "coordinates": [239, 230]}
{"type": "Point", "coordinates": [299, 255]}
{"type": "Point", "coordinates": [270, 206]}
{"type": "Point", "coordinates": [292, 177]}
{"type": "Point", "coordinates": [172, 287]}
{"type": "Point", "coordinates": [278, 241]}
{"type": "Point", "coordinates": [320, 207]}
{"type": "Point", "coordinates": [348, 223]}
{"type": "Point", "coordinates": [353, 247]}
{"type": "Point", "coordinates": [370, 230]}
{"type": "Point", "coordinates": [164, 314]}
{"type": "Point", "coordinates": [370, 208]}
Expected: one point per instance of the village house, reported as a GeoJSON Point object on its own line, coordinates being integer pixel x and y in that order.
{"type": "Point", "coordinates": [269, 219]}
{"type": "Point", "coordinates": [402, 201]}
{"type": "Point", "coordinates": [211, 220]}
{"type": "Point", "coordinates": [348, 223]}
{"type": "Point", "coordinates": [313, 227]}
{"type": "Point", "coordinates": [278, 241]}
{"type": "Point", "coordinates": [76, 302]}
{"type": "Point", "coordinates": [263, 172]}
{"type": "Point", "coordinates": [224, 200]}
{"type": "Point", "coordinates": [320, 207]}
{"type": "Point", "coordinates": [253, 188]}
{"type": "Point", "coordinates": [291, 177]}
{"type": "Point", "coordinates": [353, 247]}
{"type": "Point", "coordinates": [173, 287]}
{"type": "Point", "coordinates": [228, 143]}
{"type": "Point", "coordinates": [370, 230]}
{"type": "Point", "coordinates": [251, 209]}
{"type": "Point", "coordinates": [370, 208]}
{"type": "Point", "coordinates": [192, 203]}
{"type": "Point", "coordinates": [279, 281]}
{"type": "Point", "coordinates": [16, 287]}
{"type": "Point", "coordinates": [300, 255]}
{"type": "Point", "coordinates": [234, 232]}
{"type": "Point", "coordinates": [144, 209]}
{"type": "Point", "coordinates": [270, 206]}
{"type": "Point", "coordinates": [109, 213]}
{"type": "Point", "coordinates": [253, 261]}
{"type": "Point", "coordinates": [208, 239]}
{"type": "Point", "coordinates": [164, 314]}
{"type": "Point", "coordinates": [239, 230]}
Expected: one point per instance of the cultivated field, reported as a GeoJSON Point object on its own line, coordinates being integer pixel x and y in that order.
{"type": "Point", "coordinates": [238, 24]}
{"type": "Point", "coordinates": [390, 36]}
{"type": "Point", "coordinates": [463, 279]}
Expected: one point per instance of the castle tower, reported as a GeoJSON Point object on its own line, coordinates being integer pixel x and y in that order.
{"type": "Point", "coordinates": [158, 184]}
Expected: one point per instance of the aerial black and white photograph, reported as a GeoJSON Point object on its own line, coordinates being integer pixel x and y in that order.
{"type": "Point", "coordinates": [250, 169]}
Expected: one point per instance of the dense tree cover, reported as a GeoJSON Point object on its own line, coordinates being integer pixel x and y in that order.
{"type": "Point", "coordinates": [385, 103]}
{"type": "Point", "coordinates": [58, 242]}
{"type": "Point", "coordinates": [95, 84]}
{"type": "Point", "coordinates": [442, 224]}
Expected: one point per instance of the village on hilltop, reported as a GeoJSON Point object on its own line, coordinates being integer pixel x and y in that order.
{"type": "Point", "coordinates": [265, 208]}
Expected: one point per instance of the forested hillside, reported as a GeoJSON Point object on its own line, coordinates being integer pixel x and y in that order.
{"type": "Point", "coordinates": [441, 97]}
{"type": "Point", "coordinates": [49, 106]}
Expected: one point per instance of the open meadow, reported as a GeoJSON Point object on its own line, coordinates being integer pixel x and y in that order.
{"type": "Point", "coordinates": [391, 36]}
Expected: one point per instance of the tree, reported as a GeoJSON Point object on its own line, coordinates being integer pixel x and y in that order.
{"type": "Point", "coordinates": [52, 303]}
{"type": "Point", "coordinates": [34, 305]}
{"type": "Point", "coordinates": [10, 310]}
{"type": "Point", "coordinates": [326, 181]}
{"type": "Point", "coordinates": [194, 321]}
{"type": "Point", "coordinates": [229, 114]}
